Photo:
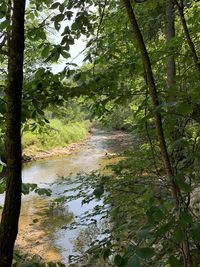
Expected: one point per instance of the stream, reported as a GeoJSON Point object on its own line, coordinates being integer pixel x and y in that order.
{"type": "Point", "coordinates": [42, 229]}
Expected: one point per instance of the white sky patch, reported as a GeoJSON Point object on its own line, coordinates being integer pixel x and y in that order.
{"type": "Point", "coordinates": [76, 51]}
{"type": "Point", "coordinates": [76, 56]}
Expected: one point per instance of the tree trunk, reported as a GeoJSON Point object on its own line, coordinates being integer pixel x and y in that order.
{"type": "Point", "coordinates": [171, 77]}
{"type": "Point", "coordinates": [196, 59]}
{"type": "Point", "coordinates": [158, 120]}
{"type": "Point", "coordinates": [171, 82]}
{"type": "Point", "coordinates": [154, 96]}
{"type": "Point", "coordinates": [170, 34]}
{"type": "Point", "coordinates": [11, 210]}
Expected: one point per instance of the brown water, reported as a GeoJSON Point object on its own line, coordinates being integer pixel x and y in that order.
{"type": "Point", "coordinates": [43, 229]}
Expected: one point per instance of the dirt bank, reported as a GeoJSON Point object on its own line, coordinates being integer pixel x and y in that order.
{"type": "Point", "coordinates": [31, 153]}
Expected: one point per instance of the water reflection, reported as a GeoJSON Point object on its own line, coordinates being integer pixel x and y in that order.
{"type": "Point", "coordinates": [41, 228]}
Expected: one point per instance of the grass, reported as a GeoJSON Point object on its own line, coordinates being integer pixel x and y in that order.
{"type": "Point", "coordinates": [55, 134]}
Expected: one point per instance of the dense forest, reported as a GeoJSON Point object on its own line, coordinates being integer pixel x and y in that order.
{"type": "Point", "coordinates": [140, 74]}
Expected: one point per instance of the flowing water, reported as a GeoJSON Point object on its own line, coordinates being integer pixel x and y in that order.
{"type": "Point", "coordinates": [43, 230]}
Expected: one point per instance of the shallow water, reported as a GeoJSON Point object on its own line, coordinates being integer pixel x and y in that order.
{"type": "Point", "coordinates": [43, 230]}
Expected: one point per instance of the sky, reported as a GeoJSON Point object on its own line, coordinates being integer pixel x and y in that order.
{"type": "Point", "coordinates": [76, 56]}
{"type": "Point", "coordinates": [75, 50]}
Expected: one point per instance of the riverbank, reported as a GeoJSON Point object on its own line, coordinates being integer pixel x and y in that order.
{"type": "Point", "coordinates": [31, 153]}
{"type": "Point", "coordinates": [55, 139]}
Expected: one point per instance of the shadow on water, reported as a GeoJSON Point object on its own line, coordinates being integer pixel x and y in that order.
{"type": "Point", "coordinates": [41, 228]}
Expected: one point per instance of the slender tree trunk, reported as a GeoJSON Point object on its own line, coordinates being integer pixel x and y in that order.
{"type": "Point", "coordinates": [158, 120]}
{"type": "Point", "coordinates": [154, 97]}
{"type": "Point", "coordinates": [171, 82]}
{"type": "Point", "coordinates": [196, 59]}
{"type": "Point", "coordinates": [147, 128]}
{"type": "Point", "coordinates": [171, 75]}
{"type": "Point", "coordinates": [170, 34]}
{"type": "Point", "coordinates": [11, 210]}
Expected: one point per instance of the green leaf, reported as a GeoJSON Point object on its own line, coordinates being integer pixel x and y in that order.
{"type": "Point", "coordinates": [163, 229]}
{"type": "Point", "coordinates": [184, 108]}
{"type": "Point", "coordinates": [57, 25]}
{"type": "Point", "coordinates": [28, 187]}
{"type": "Point", "coordinates": [3, 9]}
{"type": "Point", "coordinates": [65, 54]}
{"type": "Point", "coordinates": [69, 14]}
{"type": "Point", "coordinates": [55, 5]}
{"type": "Point", "coordinates": [59, 17]}
{"type": "Point", "coordinates": [174, 262]}
{"type": "Point", "coordinates": [41, 112]}
{"type": "Point", "coordinates": [88, 58]}
{"type": "Point", "coordinates": [195, 232]}
{"type": "Point", "coordinates": [45, 51]}
{"type": "Point", "coordinates": [2, 186]}
{"type": "Point", "coordinates": [155, 214]}
{"type": "Point", "coordinates": [106, 253]}
{"type": "Point", "coordinates": [2, 14]}
{"type": "Point", "coordinates": [185, 218]}
{"type": "Point", "coordinates": [185, 187]}
{"type": "Point", "coordinates": [1, 168]}
{"type": "Point", "coordinates": [98, 192]}
{"type": "Point", "coordinates": [4, 24]}
{"type": "Point", "coordinates": [39, 73]}
{"type": "Point", "coordinates": [61, 8]}
{"type": "Point", "coordinates": [43, 191]}
{"type": "Point", "coordinates": [120, 261]}
{"type": "Point", "coordinates": [134, 262]}
{"type": "Point", "coordinates": [47, 121]}
{"type": "Point", "coordinates": [143, 233]}
{"type": "Point", "coordinates": [179, 234]}
{"type": "Point", "coordinates": [66, 31]}
{"type": "Point", "coordinates": [145, 253]}
{"type": "Point", "coordinates": [54, 57]}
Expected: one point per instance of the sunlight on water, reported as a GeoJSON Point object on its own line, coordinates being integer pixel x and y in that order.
{"type": "Point", "coordinates": [41, 228]}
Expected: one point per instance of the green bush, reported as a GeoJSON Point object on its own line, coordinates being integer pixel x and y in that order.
{"type": "Point", "coordinates": [55, 134]}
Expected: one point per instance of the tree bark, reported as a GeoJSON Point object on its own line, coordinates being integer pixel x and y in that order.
{"type": "Point", "coordinates": [11, 210]}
